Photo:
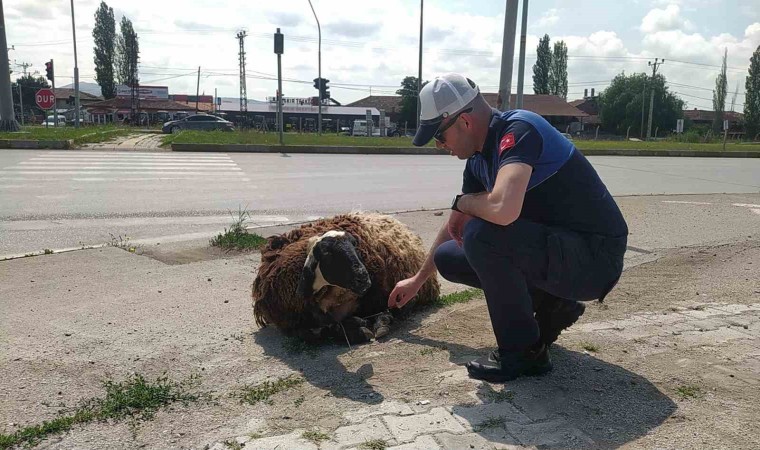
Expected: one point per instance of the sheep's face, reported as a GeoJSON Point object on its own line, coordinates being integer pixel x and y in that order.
{"type": "Point", "coordinates": [332, 261]}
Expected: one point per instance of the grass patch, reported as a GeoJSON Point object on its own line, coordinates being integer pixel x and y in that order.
{"type": "Point", "coordinates": [47, 251]}
{"type": "Point", "coordinates": [134, 398]}
{"type": "Point", "coordinates": [315, 436]}
{"type": "Point", "coordinates": [237, 236]}
{"type": "Point", "coordinates": [263, 391]}
{"type": "Point", "coordinates": [374, 444]}
{"type": "Point", "coordinates": [589, 347]}
{"type": "Point", "coordinates": [296, 346]}
{"type": "Point", "coordinates": [82, 135]}
{"type": "Point", "coordinates": [664, 145]}
{"type": "Point", "coordinates": [256, 138]}
{"type": "Point", "coordinates": [234, 445]}
{"type": "Point", "coordinates": [501, 396]}
{"type": "Point", "coordinates": [686, 392]}
{"type": "Point", "coordinates": [491, 422]}
{"type": "Point", "coordinates": [271, 138]}
{"type": "Point", "coordinates": [457, 297]}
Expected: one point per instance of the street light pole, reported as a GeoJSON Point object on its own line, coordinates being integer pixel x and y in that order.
{"type": "Point", "coordinates": [521, 62]}
{"type": "Point", "coordinates": [76, 67]}
{"type": "Point", "coordinates": [319, 68]}
{"type": "Point", "coordinates": [419, 67]}
{"type": "Point", "coordinates": [507, 54]}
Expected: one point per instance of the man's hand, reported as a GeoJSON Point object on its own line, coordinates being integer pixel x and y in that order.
{"type": "Point", "coordinates": [404, 291]}
{"type": "Point", "coordinates": [457, 221]}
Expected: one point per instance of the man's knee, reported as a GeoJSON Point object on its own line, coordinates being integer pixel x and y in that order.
{"type": "Point", "coordinates": [477, 239]}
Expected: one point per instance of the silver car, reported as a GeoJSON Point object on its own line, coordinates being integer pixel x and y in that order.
{"type": "Point", "coordinates": [202, 122]}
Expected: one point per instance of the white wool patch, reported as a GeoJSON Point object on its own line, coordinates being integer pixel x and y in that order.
{"type": "Point", "coordinates": [319, 279]}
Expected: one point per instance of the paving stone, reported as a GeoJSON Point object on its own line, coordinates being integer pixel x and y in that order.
{"type": "Point", "coordinates": [386, 407]}
{"type": "Point", "coordinates": [590, 327]}
{"type": "Point", "coordinates": [404, 429]}
{"type": "Point", "coordinates": [421, 443]}
{"type": "Point", "coordinates": [372, 428]}
{"type": "Point", "coordinates": [558, 433]}
{"type": "Point", "coordinates": [472, 416]}
{"type": "Point", "coordinates": [710, 338]}
{"type": "Point", "coordinates": [484, 440]}
{"type": "Point", "coordinates": [665, 319]}
{"type": "Point", "coordinates": [703, 313]}
{"type": "Point", "coordinates": [291, 440]}
{"type": "Point", "coordinates": [735, 309]}
{"type": "Point", "coordinates": [456, 376]}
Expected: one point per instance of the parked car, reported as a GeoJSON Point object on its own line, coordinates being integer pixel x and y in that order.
{"type": "Point", "coordinates": [50, 121]}
{"type": "Point", "coordinates": [203, 122]}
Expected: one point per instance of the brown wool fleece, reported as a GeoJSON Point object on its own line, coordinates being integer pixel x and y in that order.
{"type": "Point", "coordinates": [388, 249]}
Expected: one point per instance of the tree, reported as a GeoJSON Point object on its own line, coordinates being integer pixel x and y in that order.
{"type": "Point", "coordinates": [542, 66]}
{"type": "Point", "coordinates": [408, 93]}
{"type": "Point", "coordinates": [29, 87]}
{"type": "Point", "coordinates": [558, 71]}
{"type": "Point", "coordinates": [127, 54]}
{"type": "Point", "coordinates": [104, 35]}
{"type": "Point", "coordinates": [7, 119]}
{"type": "Point", "coordinates": [719, 96]}
{"type": "Point", "coordinates": [620, 105]}
{"type": "Point", "coordinates": [752, 97]}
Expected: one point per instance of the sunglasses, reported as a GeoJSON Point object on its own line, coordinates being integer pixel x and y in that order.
{"type": "Point", "coordinates": [439, 134]}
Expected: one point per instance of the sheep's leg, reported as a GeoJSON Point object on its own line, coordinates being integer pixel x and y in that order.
{"type": "Point", "coordinates": [357, 330]}
{"type": "Point", "coordinates": [381, 327]}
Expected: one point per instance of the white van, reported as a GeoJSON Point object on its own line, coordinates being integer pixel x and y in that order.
{"type": "Point", "coordinates": [360, 128]}
{"type": "Point", "coordinates": [51, 119]}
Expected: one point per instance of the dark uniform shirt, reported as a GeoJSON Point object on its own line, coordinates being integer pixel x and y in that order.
{"type": "Point", "coordinates": [564, 190]}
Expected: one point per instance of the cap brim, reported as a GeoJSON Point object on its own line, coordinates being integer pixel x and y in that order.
{"type": "Point", "coordinates": [425, 133]}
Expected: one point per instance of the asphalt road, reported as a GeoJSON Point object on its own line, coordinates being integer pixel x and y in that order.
{"type": "Point", "coordinates": [54, 199]}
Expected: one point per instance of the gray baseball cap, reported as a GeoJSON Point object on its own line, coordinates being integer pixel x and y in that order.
{"type": "Point", "coordinates": [446, 95]}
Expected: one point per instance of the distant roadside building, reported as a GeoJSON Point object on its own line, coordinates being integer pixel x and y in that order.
{"type": "Point", "coordinates": [705, 118]}
{"type": "Point", "coordinates": [557, 111]}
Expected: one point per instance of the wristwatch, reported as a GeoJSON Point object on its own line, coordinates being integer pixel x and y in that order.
{"type": "Point", "coordinates": [455, 201]}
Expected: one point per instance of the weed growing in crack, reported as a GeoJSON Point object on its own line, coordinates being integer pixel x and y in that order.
{"type": "Point", "coordinates": [374, 444]}
{"type": "Point", "coordinates": [315, 436]}
{"type": "Point", "coordinates": [491, 422]}
{"type": "Point", "coordinates": [688, 391]}
{"type": "Point", "coordinates": [135, 399]}
{"type": "Point", "coordinates": [237, 236]}
{"type": "Point", "coordinates": [263, 391]}
{"type": "Point", "coordinates": [589, 347]}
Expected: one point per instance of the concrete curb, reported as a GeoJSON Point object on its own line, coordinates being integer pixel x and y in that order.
{"type": "Point", "coordinates": [324, 149]}
{"type": "Point", "coordinates": [36, 144]}
{"type": "Point", "coordinates": [251, 148]}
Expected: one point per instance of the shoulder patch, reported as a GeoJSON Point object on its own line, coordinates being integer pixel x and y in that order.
{"type": "Point", "coordinates": [507, 142]}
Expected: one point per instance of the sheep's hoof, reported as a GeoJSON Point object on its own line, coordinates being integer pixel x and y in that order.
{"type": "Point", "coordinates": [381, 331]}
{"type": "Point", "coordinates": [367, 333]}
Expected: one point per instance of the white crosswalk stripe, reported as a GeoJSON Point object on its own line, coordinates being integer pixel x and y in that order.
{"type": "Point", "coordinates": [122, 166]}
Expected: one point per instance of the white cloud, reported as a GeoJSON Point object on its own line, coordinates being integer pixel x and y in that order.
{"type": "Point", "coordinates": [548, 19]}
{"type": "Point", "coordinates": [664, 20]}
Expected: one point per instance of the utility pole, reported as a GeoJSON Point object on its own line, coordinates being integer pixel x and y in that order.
{"type": "Point", "coordinates": [76, 68]}
{"type": "Point", "coordinates": [651, 95]}
{"type": "Point", "coordinates": [521, 64]}
{"type": "Point", "coordinates": [24, 66]}
{"type": "Point", "coordinates": [7, 118]}
{"type": "Point", "coordinates": [319, 69]}
{"type": "Point", "coordinates": [241, 56]}
{"type": "Point", "coordinates": [197, 89]}
{"type": "Point", "coordinates": [643, 95]}
{"type": "Point", "coordinates": [279, 48]}
{"type": "Point", "coordinates": [419, 67]}
{"type": "Point", "coordinates": [21, 102]}
{"type": "Point", "coordinates": [507, 54]}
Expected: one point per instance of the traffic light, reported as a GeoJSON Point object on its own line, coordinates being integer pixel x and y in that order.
{"type": "Point", "coordinates": [320, 84]}
{"type": "Point", "coordinates": [49, 70]}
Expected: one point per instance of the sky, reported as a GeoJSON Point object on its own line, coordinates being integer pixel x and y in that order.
{"type": "Point", "coordinates": [370, 46]}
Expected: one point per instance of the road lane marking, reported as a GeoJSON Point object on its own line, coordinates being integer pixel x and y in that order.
{"type": "Point", "coordinates": [746, 205]}
{"type": "Point", "coordinates": [686, 203]}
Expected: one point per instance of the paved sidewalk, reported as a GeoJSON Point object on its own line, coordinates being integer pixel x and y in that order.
{"type": "Point", "coordinates": [510, 423]}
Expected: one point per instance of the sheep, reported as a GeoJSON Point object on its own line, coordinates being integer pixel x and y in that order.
{"type": "Point", "coordinates": [325, 279]}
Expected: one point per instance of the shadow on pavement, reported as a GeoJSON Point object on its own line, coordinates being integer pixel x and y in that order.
{"type": "Point", "coordinates": [320, 367]}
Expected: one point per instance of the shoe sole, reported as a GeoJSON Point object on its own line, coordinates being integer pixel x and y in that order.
{"type": "Point", "coordinates": [550, 331]}
{"type": "Point", "coordinates": [538, 371]}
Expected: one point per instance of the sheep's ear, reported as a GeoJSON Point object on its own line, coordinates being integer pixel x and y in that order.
{"type": "Point", "coordinates": [306, 282]}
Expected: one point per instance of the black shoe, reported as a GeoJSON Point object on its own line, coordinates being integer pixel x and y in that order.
{"type": "Point", "coordinates": [500, 366]}
{"type": "Point", "coordinates": [555, 315]}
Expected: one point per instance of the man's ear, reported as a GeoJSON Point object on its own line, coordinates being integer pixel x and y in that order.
{"type": "Point", "coordinates": [306, 281]}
